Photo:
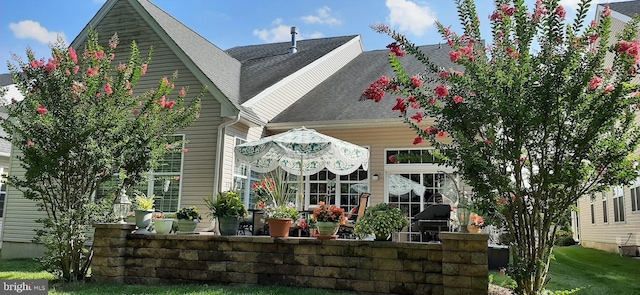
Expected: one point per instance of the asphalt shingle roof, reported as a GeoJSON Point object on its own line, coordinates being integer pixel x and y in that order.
{"type": "Point", "coordinates": [628, 8]}
{"type": "Point", "coordinates": [337, 98]}
{"type": "Point", "coordinates": [5, 79]}
{"type": "Point", "coordinates": [266, 64]}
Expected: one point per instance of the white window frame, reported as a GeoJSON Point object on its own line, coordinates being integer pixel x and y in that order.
{"type": "Point", "coordinates": [605, 209]}
{"type": "Point", "coordinates": [618, 204]}
{"type": "Point", "coordinates": [592, 205]}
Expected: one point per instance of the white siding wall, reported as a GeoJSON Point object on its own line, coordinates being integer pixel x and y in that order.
{"type": "Point", "coordinates": [275, 99]}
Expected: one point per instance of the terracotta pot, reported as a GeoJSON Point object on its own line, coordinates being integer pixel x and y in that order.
{"type": "Point", "coordinates": [474, 229]}
{"type": "Point", "coordinates": [279, 227]}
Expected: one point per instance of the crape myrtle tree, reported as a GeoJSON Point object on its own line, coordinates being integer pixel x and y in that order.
{"type": "Point", "coordinates": [80, 123]}
{"type": "Point", "coordinates": [536, 118]}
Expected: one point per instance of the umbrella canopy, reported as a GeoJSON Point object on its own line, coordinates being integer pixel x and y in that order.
{"type": "Point", "coordinates": [398, 185]}
{"type": "Point", "coordinates": [304, 152]}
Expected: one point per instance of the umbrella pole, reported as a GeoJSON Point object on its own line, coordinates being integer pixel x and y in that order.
{"type": "Point", "coordinates": [300, 189]}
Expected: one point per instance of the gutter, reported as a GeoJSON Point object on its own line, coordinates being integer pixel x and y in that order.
{"type": "Point", "coordinates": [219, 152]}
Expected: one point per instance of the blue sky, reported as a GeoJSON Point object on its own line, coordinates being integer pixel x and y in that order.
{"type": "Point", "coordinates": [225, 23]}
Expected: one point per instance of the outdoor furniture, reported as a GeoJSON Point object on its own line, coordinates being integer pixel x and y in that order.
{"type": "Point", "coordinates": [432, 221]}
{"type": "Point", "coordinates": [346, 230]}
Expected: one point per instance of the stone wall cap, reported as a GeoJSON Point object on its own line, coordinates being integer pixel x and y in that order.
{"type": "Point", "coordinates": [115, 225]}
{"type": "Point", "coordinates": [464, 236]}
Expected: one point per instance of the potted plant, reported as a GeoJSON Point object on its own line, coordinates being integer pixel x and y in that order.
{"type": "Point", "coordinates": [229, 209]}
{"type": "Point", "coordinates": [274, 195]}
{"type": "Point", "coordinates": [143, 208]}
{"type": "Point", "coordinates": [328, 219]}
{"type": "Point", "coordinates": [382, 220]}
{"type": "Point", "coordinates": [280, 219]}
{"type": "Point", "coordinates": [162, 224]}
{"type": "Point", "coordinates": [477, 222]}
{"type": "Point", "coordinates": [188, 218]}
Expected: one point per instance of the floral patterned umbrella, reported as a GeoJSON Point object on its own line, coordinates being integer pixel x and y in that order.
{"type": "Point", "coordinates": [397, 184]}
{"type": "Point", "coordinates": [304, 152]}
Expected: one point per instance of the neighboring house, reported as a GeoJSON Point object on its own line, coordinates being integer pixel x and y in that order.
{"type": "Point", "coordinates": [611, 219]}
{"type": "Point", "coordinates": [255, 91]}
{"type": "Point", "coordinates": [6, 83]}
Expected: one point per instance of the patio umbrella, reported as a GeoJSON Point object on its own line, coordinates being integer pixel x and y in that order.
{"type": "Point", "coordinates": [398, 185]}
{"type": "Point", "coordinates": [303, 152]}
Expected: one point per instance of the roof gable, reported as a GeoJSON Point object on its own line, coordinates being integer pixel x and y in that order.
{"type": "Point", "coordinates": [212, 66]}
{"type": "Point", "coordinates": [266, 64]}
{"type": "Point", "coordinates": [628, 8]}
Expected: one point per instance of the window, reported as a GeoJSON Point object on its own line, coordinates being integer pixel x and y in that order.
{"type": "Point", "coordinates": [163, 182]}
{"type": "Point", "coordinates": [240, 177]}
{"type": "Point", "coordinates": [414, 156]}
{"type": "Point", "coordinates": [2, 196]}
{"type": "Point", "coordinates": [618, 204]}
{"type": "Point", "coordinates": [605, 217]}
{"type": "Point", "coordinates": [635, 198]}
{"type": "Point", "coordinates": [593, 212]}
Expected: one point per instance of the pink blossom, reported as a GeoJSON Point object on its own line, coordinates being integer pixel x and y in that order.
{"type": "Point", "coordinates": [502, 201]}
{"type": "Point", "coordinates": [595, 82]}
{"type": "Point", "coordinates": [30, 143]}
{"type": "Point", "coordinates": [416, 82]}
{"type": "Point", "coordinates": [185, 150]}
{"type": "Point", "coordinates": [396, 49]}
{"type": "Point", "coordinates": [177, 178]}
{"type": "Point", "coordinates": [455, 55]}
{"type": "Point", "coordinates": [417, 140]}
{"type": "Point", "coordinates": [92, 71]}
{"type": "Point", "coordinates": [458, 73]}
{"type": "Point", "coordinates": [496, 16]}
{"type": "Point", "coordinates": [136, 112]}
{"type": "Point", "coordinates": [130, 92]}
{"type": "Point", "coordinates": [609, 89]}
{"type": "Point", "coordinates": [113, 45]}
{"type": "Point", "coordinates": [594, 23]}
{"type": "Point", "coordinates": [98, 94]}
{"type": "Point", "coordinates": [561, 12]}
{"type": "Point", "coordinates": [144, 69]}
{"type": "Point", "coordinates": [66, 71]}
{"type": "Point", "coordinates": [73, 55]}
{"type": "Point", "coordinates": [444, 75]}
{"type": "Point", "coordinates": [112, 56]}
{"type": "Point", "coordinates": [593, 38]}
{"type": "Point", "coordinates": [121, 68]}
{"type": "Point", "coordinates": [508, 10]}
{"type": "Point", "coordinates": [51, 65]}
{"type": "Point", "coordinates": [127, 84]}
{"type": "Point", "coordinates": [414, 102]}
{"type": "Point", "coordinates": [488, 142]}
{"type": "Point", "coordinates": [76, 69]}
{"type": "Point", "coordinates": [37, 64]}
{"type": "Point", "coordinates": [42, 110]}
{"type": "Point", "coordinates": [400, 106]}
{"type": "Point", "coordinates": [441, 91]}
{"type": "Point", "coordinates": [523, 158]}
{"type": "Point", "coordinates": [457, 99]}
{"type": "Point", "coordinates": [182, 93]}
{"type": "Point", "coordinates": [376, 91]}
{"type": "Point", "coordinates": [107, 89]}
{"type": "Point", "coordinates": [392, 159]}
{"type": "Point", "coordinates": [432, 101]}
{"type": "Point", "coordinates": [431, 130]}
{"type": "Point", "coordinates": [607, 11]}
{"type": "Point", "coordinates": [417, 117]}
{"type": "Point", "coordinates": [165, 81]}
{"type": "Point", "coordinates": [163, 101]}
{"type": "Point", "coordinates": [170, 104]}
{"type": "Point", "coordinates": [441, 134]}
{"type": "Point", "coordinates": [539, 11]}
{"type": "Point", "coordinates": [98, 54]}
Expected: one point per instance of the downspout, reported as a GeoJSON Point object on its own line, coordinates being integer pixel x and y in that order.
{"type": "Point", "coordinates": [219, 152]}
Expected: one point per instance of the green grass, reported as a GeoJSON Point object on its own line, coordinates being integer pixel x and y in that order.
{"type": "Point", "coordinates": [595, 272]}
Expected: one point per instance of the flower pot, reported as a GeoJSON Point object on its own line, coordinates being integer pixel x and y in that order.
{"type": "Point", "coordinates": [279, 227]}
{"type": "Point", "coordinates": [327, 228]}
{"type": "Point", "coordinates": [186, 226]}
{"type": "Point", "coordinates": [143, 220]}
{"type": "Point", "coordinates": [228, 225]}
{"type": "Point", "coordinates": [474, 229]}
{"type": "Point", "coordinates": [163, 226]}
{"type": "Point", "coordinates": [382, 237]}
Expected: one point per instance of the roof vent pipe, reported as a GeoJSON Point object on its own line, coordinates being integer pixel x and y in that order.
{"type": "Point", "coordinates": [293, 49]}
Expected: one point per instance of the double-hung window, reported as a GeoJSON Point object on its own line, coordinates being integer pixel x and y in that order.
{"type": "Point", "coordinates": [605, 213]}
{"type": "Point", "coordinates": [618, 204]}
{"type": "Point", "coordinates": [593, 209]}
{"type": "Point", "coordinates": [635, 198]}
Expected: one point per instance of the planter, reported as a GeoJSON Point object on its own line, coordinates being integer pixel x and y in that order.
{"type": "Point", "coordinates": [163, 225]}
{"type": "Point", "coordinates": [143, 220]}
{"type": "Point", "coordinates": [228, 225]}
{"type": "Point", "coordinates": [279, 227]}
{"type": "Point", "coordinates": [327, 228]}
{"type": "Point", "coordinates": [474, 229]}
{"type": "Point", "coordinates": [186, 226]}
{"type": "Point", "coordinates": [382, 237]}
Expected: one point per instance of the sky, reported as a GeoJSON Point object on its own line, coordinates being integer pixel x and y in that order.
{"type": "Point", "coordinates": [230, 23]}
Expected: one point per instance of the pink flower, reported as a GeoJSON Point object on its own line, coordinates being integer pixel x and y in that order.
{"type": "Point", "coordinates": [417, 140]}
{"type": "Point", "coordinates": [607, 11]}
{"type": "Point", "coordinates": [163, 102]}
{"type": "Point", "coordinates": [441, 91]}
{"type": "Point", "coordinates": [415, 82]}
{"type": "Point", "coordinates": [144, 69]}
{"type": "Point", "coordinates": [42, 110]}
{"type": "Point", "coordinates": [185, 150]}
{"type": "Point", "coordinates": [488, 142]}
{"type": "Point", "coordinates": [523, 158]}
{"type": "Point", "coordinates": [76, 69]}
{"type": "Point", "coordinates": [393, 160]}
{"type": "Point", "coordinates": [400, 105]}
{"type": "Point", "coordinates": [121, 68]}
{"type": "Point", "coordinates": [444, 75]}
{"type": "Point", "coordinates": [182, 93]}
{"type": "Point", "coordinates": [98, 54]}
{"type": "Point", "coordinates": [594, 23]}
{"type": "Point", "coordinates": [92, 72]}
{"type": "Point", "coordinates": [51, 65]}
{"type": "Point", "coordinates": [496, 16]}
{"type": "Point", "coordinates": [113, 45]}
{"type": "Point", "coordinates": [455, 55]}
{"type": "Point", "coordinates": [73, 55]}
{"type": "Point", "coordinates": [431, 130]}
{"type": "Point", "coordinates": [432, 101]}
{"type": "Point", "coordinates": [165, 81]}
{"type": "Point", "coordinates": [376, 91]}
{"type": "Point", "coordinates": [417, 117]}
{"type": "Point", "coordinates": [30, 143]}
{"type": "Point", "coordinates": [414, 102]}
{"type": "Point", "coordinates": [508, 10]}
{"type": "Point", "coordinates": [396, 49]}
{"type": "Point", "coordinates": [170, 104]}
{"type": "Point", "coordinates": [595, 82]}
{"type": "Point", "coordinates": [127, 84]}
{"type": "Point", "coordinates": [107, 89]}
{"type": "Point", "coordinates": [37, 64]}
{"type": "Point", "coordinates": [561, 12]}
{"type": "Point", "coordinates": [457, 99]}
{"type": "Point", "coordinates": [502, 201]}
{"type": "Point", "coordinates": [177, 178]}
{"type": "Point", "coordinates": [112, 56]}
{"type": "Point", "coordinates": [136, 112]}
{"type": "Point", "coordinates": [539, 11]}
{"type": "Point", "coordinates": [441, 134]}
{"type": "Point", "coordinates": [609, 89]}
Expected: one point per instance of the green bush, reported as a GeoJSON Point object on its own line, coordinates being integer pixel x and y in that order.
{"type": "Point", "coordinates": [565, 241]}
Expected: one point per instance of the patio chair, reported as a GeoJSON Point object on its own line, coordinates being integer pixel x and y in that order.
{"type": "Point", "coordinates": [346, 230]}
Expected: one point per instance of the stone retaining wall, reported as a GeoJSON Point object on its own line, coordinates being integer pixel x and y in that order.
{"type": "Point", "coordinates": [457, 266]}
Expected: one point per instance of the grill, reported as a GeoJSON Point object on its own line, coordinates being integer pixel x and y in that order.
{"type": "Point", "coordinates": [431, 221]}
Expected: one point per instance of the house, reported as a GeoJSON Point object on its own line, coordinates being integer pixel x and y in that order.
{"type": "Point", "coordinates": [255, 91]}
{"type": "Point", "coordinates": [610, 220]}
{"type": "Point", "coordinates": [6, 83]}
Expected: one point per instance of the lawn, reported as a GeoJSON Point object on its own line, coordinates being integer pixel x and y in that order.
{"type": "Point", "coordinates": [596, 272]}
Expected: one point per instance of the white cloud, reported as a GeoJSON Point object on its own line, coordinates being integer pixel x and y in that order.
{"type": "Point", "coordinates": [409, 16]}
{"type": "Point", "coordinates": [316, 35]}
{"type": "Point", "coordinates": [280, 33]}
{"type": "Point", "coordinates": [573, 4]}
{"type": "Point", "coordinates": [28, 29]}
{"type": "Point", "coordinates": [323, 17]}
